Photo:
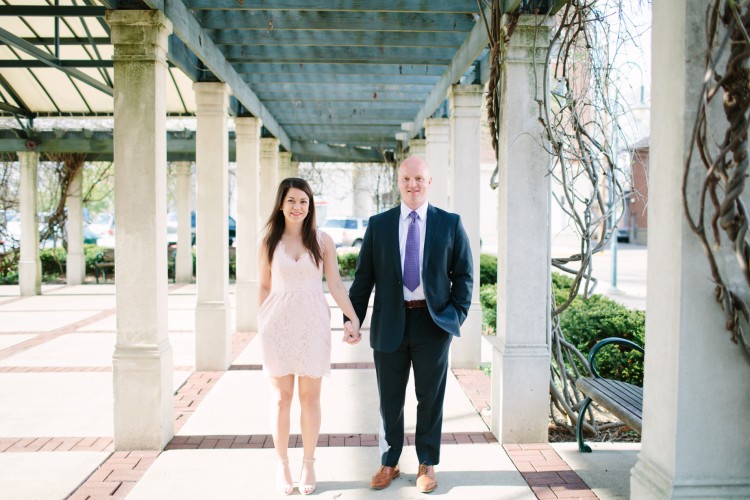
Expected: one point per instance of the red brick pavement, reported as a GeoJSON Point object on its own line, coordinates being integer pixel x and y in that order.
{"type": "Point", "coordinates": [546, 473]}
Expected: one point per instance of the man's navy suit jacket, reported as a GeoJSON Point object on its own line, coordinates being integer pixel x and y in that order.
{"type": "Point", "coordinates": [447, 276]}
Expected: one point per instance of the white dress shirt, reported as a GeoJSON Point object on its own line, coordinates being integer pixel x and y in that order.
{"type": "Point", "coordinates": [403, 231]}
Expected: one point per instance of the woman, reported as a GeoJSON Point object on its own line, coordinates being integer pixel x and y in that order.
{"type": "Point", "coordinates": [295, 321]}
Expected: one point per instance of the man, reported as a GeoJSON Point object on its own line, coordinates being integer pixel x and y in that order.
{"type": "Point", "coordinates": [418, 259]}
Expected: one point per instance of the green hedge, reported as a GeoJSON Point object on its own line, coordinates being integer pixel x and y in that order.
{"type": "Point", "coordinates": [586, 322]}
{"type": "Point", "coordinates": [487, 269]}
{"type": "Point", "coordinates": [347, 264]}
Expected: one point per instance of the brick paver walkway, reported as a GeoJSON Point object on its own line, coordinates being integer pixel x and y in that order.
{"type": "Point", "coordinates": [545, 472]}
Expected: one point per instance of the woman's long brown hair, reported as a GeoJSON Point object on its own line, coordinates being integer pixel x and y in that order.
{"type": "Point", "coordinates": [276, 221]}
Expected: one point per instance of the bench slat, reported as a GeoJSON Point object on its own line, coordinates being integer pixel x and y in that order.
{"type": "Point", "coordinates": [623, 400]}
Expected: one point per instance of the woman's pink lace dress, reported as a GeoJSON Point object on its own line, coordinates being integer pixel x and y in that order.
{"type": "Point", "coordinates": [294, 322]}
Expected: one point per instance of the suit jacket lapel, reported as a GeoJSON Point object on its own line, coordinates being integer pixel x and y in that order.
{"type": "Point", "coordinates": [433, 224]}
{"type": "Point", "coordinates": [393, 244]}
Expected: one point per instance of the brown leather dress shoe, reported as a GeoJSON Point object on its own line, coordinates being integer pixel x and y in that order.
{"type": "Point", "coordinates": [382, 479]}
{"type": "Point", "coordinates": [426, 482]}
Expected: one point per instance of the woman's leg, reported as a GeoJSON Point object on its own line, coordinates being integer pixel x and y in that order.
{"type": "Point", "coordinates": [282, 392]}
{"type": "Point", "coordinates": [309, 398]}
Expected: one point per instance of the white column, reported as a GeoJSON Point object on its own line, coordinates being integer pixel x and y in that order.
{"type": "Point", "coordinates": [269, 176]}
{"type": "Point", "coordinates": [418, 147]}
{"type": "Point", "coordinates": [76, 261]}
{"type": "Point", "coordinates": [294, 169]}
{"type": "Point", "coordinates": [285, 165]}
{"type": "Point", "coordinates": [362, 191]}
{"type": "Point", "coordinates": [466, 127]}
{"type": "Point", "coordinates": [142, 361]}
{"type": "Point", "coordinates": [695, 442]}
{"type": "Point", "coordinates": [29, 265]}
{"type": "Point", "coordinates": [248, 222]}
{"type": "Point", "coordinates": [437, 132]}
{"type": "Point", "coordinates": [213, 342]}
{"type": "Point", "coordinates": [184, 258]}
{"type": "Point", "coordinates": [520, 369]}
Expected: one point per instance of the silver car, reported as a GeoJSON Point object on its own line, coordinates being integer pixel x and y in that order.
{"type": "Point", "coordinates": [346, 231]}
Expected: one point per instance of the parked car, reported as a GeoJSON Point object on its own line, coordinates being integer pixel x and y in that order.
{"type": "Point", "coordinates": [346, 231]}
{"type": "Point", "coordinates": [172, 228]}
{"type": "Point", "coordinates": [103, 224]}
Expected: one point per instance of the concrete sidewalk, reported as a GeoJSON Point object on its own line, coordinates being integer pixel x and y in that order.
{"type": "Point", "coordinates": [56, 420]}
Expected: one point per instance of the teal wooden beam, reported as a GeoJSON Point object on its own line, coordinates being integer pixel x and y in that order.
{"type": "Point", "coordinates": [10, 39]}
{"type": "Point", "coordinates": [470, 50]}
{"type": "Point", "coordinates": [36, 63]}
{"type": "Point", "coordinates": [341, 88]}
{"type": "Point", "coordinates": [283, 108]}
{"type": "Point", "coordinates": [374, 68]}
{"type": "Point", "coordinates": [442, 6]}
{"type": "Point", "coordinates": [187, 28]}
{"type": "Point", "coordinates": [316, 152]}
{"type": "Point", "coordinates": [51, 11]}
{"type": "Point", "coordinates": [345, 95]}
{"type": "Point", "coordinates": [268, 78]}
{"type": "Point", "coordinates": [332, 54]}
{"type": "Point", "coordinates": [303, 37]}
{"type": "Point", "coordinates": [333, 20]}
{"type": "Point", "coordinates": [68, 40]}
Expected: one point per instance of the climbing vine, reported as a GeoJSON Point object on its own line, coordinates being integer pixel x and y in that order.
{"type": "Point", "coordinates": [725, 162]}
{"type": "Point", "coordinates": [580, 128]}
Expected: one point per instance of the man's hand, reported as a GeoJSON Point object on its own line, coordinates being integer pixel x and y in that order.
{"type": "Point", "coordinates": [351, 333]}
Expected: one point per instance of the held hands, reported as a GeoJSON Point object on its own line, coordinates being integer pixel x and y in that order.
{"type": "Point", "coordinates": [351, 332]}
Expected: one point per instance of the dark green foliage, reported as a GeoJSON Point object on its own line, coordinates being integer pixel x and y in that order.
{"type": "Point", "coordinates": [487, 269]}
{"type": "Point", "coordinates": [54, 261]}
{"type": "Point", "coordinates": [488, 299]}
{"type": "Point", "coordinates": [585, 323]}
{"type": "Point", "coordinates": [348, 264]}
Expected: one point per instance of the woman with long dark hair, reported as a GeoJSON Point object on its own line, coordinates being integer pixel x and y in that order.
{"type": "Point", "coordinates": [294, 320]}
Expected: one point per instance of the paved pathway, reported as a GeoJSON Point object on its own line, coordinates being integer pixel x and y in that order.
{"type": "Point", "coordinates": [56, 420]}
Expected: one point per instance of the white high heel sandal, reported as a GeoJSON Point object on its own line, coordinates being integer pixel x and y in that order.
{"type": "Point", "coordinates": [287, 488]}
{"type": "Point", "coordinates": [307, 489]}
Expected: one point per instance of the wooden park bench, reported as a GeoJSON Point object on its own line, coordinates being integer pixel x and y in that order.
{"type": "Point", "coordinates": [104, 260]}
{"type": "Point", "coordinates": [623, 400]}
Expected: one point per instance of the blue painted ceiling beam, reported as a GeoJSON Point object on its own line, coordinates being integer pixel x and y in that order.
{"type": "Point", "coordinates": [333, 54]}
{"type": "Point", "coordinates": [334, 20]}
{"type": "Point", "coordinates": [443, 6]}
{"type": "Point", "coordinates": [434, 39]}
{"type": "Point", "coordinates": [346, 69]}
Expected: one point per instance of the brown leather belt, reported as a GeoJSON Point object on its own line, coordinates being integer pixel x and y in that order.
{"type": "Point", "coordinates": [415, 304]}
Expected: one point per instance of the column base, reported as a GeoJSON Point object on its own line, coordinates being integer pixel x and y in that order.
{"type": "Point", "coordinates": [75, 268]}
{"type": "Point", "coordinates": [649, 482]}
{"type": "Point", "coordinates": [246, 311]}
{"type": "Point", "coordinates": [466, 351]}
{"type": "Point", "coordinates": [213, 342]}
{"type": "Point", "coordinates": [29, 277]}
{"type": "Point", "coordinates": [143, 391]}
{"type": "Point", "coordinates": [520, 392]}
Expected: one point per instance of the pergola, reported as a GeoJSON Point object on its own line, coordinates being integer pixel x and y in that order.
{"type": "Point", "coordinates": [358, 81]}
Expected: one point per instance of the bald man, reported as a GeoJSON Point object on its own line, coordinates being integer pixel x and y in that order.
{"type": "Point", "coordinates": [417, 257]}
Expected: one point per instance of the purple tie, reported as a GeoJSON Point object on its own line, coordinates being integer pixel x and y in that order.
{"type": "Point", "coordinates": [411, 259]}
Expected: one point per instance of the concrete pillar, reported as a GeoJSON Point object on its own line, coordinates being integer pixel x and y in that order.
{"type": "Point", "coordinates": [362, 191]}
{"type": "Point", "coordinates": [285, 165]}
{"type": "Point", "coordinates": [248, 222]}
{"type": "Point", "coordinates": [695, 442]}
{"type": "Point", "coordinates": [269, 176]}
{"type": "Point", "coordinates": [29, 265]}
{"type": "Point", "coordinates": [520, 371]}
{"type": "Point", "coordinates": [213, 342]}
{"type": "Point", "coordinates": [184, 258]}
{"type": "Point", "coordinates": [142, 361]}
{"type": "Point", "coordinates": [418, 147]}
{"type": "Point", "coordinates": [76, 260]}
{"type": "Point", "coordinates": [438, 132]}
{"type": "Point", "coordinates": [465, 138]}
{"type": "Point", "coordinates": [294, 169]}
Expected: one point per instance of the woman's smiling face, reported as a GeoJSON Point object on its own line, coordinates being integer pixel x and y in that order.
{"type": "Point", "coordinates": [295, 206]}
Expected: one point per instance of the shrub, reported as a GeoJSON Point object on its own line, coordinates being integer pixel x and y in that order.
{"type": "Point", "coordinates": [487, 269]}
{"type": "Point", "coordinates": [488, 299]}
{"type": "Point", "coordinates": [586, 322]}
{"type": "Point", "coordinates": [347, 264]}
{"type": "Point", "coordinates": [54, 261]}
